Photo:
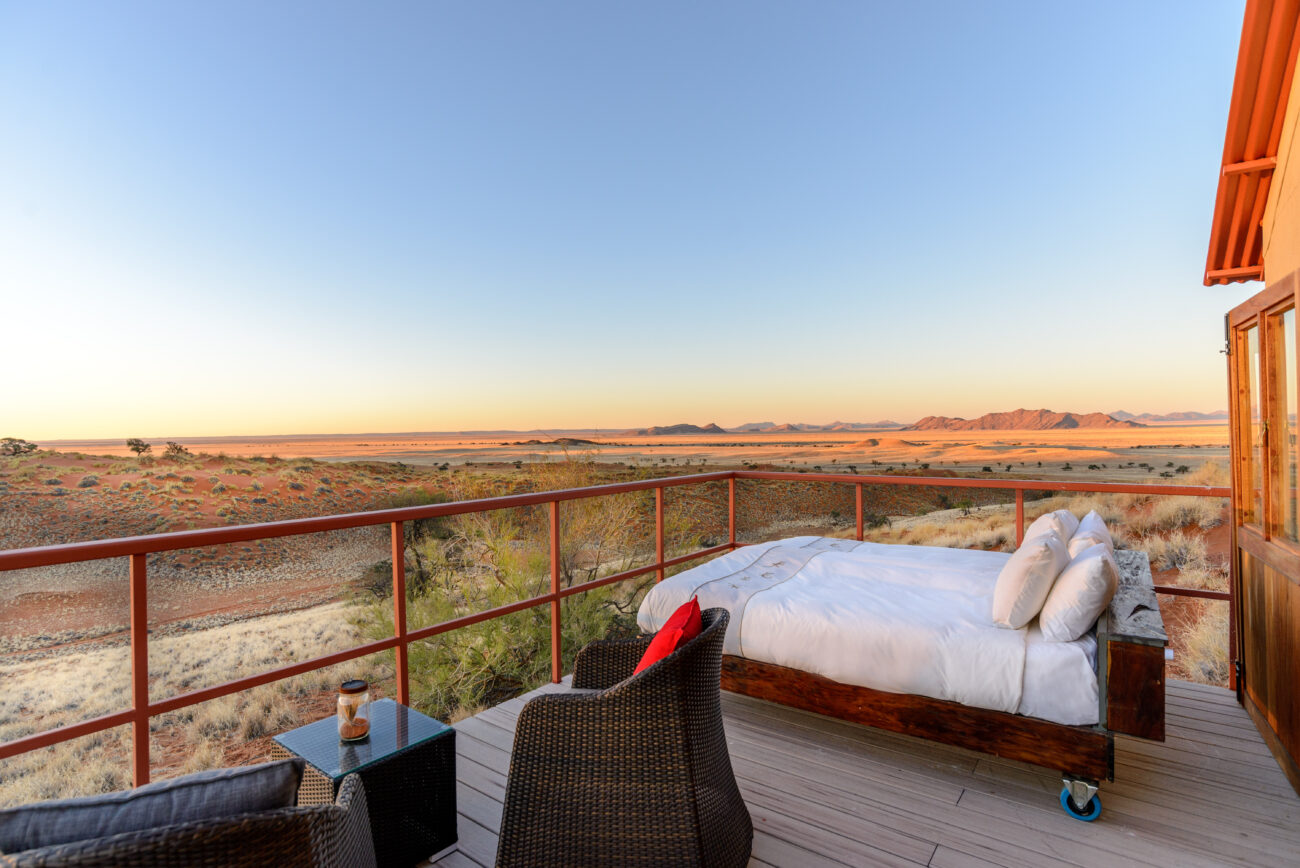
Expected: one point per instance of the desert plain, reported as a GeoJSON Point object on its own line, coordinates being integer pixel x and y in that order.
{"type": "Point", "coordinates": [1122, 450]}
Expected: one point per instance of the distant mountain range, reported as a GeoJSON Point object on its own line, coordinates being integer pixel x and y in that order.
{"type": "Point", "coordinates": [804, 426]}
{"type": "Point", "coordinates": [1183, 416]}
{"type": "Point", "coordinates": [674, 429]}
{"type": "Point", "coordinates": [1016, 420]}
{"type": "Point", "coordinates": [1023, 420]}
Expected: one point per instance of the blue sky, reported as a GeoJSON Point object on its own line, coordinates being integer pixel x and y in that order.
{"type": "Point", "coordinates": [250, 218]}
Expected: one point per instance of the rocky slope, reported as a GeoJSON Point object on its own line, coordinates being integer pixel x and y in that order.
{"type": "Point", "coordinates": [1022, 420]}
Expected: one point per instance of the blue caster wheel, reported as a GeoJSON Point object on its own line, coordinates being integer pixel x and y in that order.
{"type": "Point", "coordinates": [1090, 812]}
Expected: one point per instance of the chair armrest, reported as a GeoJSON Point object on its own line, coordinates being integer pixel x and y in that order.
{"type": "Point", "coordinates": [606, 662]}
{"type": "Point", "coordinates": [353, 844]}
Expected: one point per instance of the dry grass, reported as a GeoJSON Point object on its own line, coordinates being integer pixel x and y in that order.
{"type": "Point", "coordinates": [57, 689]}
{"type": "Point", "coordinates": [991, 528]}
{"type": "Point", "coordinates": [1177, 550]}
{"type": "Point", "coordinates": [1205, 655]}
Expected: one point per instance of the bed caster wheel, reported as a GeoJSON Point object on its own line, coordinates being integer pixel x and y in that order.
{"type": "Point", "coordinates": [1091, 810]}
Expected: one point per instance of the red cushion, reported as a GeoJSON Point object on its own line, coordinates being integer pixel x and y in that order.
{"type": "Point", "coordinates": [681, 627]}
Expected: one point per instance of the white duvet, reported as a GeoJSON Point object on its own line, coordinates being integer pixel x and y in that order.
{"type": "Point", "coordinates": [904, 619]}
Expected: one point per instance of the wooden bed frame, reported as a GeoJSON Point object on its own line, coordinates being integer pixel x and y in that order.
{"type": "Point", "coordinates": [1130, 673]}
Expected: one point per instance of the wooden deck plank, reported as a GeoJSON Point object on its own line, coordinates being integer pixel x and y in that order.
{"type": "Point", "coordinates": [455, 859]}
{"type": "Point", "coordinates": [824, 793]}
{"type": "Point", "coordinates": [946, 857]}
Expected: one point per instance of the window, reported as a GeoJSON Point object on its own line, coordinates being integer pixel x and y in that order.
{"type": "Point", "coordinates": [1266, 395]}
{"type": "Point", "coordinates": [1252, 434]}
{"type": "Point", "coordinates": [1281, 426]}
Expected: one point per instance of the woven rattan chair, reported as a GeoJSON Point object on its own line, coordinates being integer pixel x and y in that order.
{"type": "Point", "coordinates": [636, 773]}
{"type": "Point", "coordinates": [303, 837]}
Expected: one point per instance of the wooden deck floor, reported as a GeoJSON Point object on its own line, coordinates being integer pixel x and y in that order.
{"type": "Point", "coordinates": [827, 793]}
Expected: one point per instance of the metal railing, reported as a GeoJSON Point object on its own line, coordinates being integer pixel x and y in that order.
{"type": "Point", "coordinates": [137, 548]}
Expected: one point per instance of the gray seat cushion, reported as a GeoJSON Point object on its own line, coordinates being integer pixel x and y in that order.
{"type": "Point", "coordinates": [201, 796]}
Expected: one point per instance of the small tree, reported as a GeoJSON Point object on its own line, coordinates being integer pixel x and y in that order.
{"type": "Point", "coordinates": [16, 446]}
{"type": "Point", "coordinates": [138, 446]}
{"type": "Point", "coordinates": [174, 450]}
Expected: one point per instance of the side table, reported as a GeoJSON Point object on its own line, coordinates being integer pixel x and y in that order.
{"type": "Point", "coordinates": [408, 766]}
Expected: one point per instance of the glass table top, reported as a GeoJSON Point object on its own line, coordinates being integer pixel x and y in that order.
{"type": "Point", "coordinates": [393, 728]}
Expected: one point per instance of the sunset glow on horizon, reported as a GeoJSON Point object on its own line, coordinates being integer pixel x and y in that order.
{"type": "Point", "coordinates": [251, 219]}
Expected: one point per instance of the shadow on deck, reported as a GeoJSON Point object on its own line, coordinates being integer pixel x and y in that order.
{"type": "Point", "coordinates": [823, 792]}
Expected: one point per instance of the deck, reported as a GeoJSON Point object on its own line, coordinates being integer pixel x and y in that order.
{"type": "Point", "coordinates": [827, 793]}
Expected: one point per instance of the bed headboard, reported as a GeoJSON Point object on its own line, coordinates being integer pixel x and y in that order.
{"type": "Point", "coordinates": [1131, 642]}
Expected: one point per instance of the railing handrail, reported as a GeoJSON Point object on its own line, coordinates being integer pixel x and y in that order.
{"type": "Point", "coordinates": [1000, 482]}
{"type": "Point", "coordinates": [137, 548]}
{"type": "Point", "coordinates": [89, 550]}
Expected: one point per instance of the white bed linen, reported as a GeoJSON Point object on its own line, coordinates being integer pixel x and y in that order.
{"type": "Point", "coordinates": [905, 619]}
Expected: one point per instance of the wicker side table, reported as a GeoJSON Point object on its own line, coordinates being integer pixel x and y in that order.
{"type": "Point", "coordinates": [408, 766]}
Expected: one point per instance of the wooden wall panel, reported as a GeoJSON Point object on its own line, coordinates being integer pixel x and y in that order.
{"type": "Point", "coordinates": [1270, 609]}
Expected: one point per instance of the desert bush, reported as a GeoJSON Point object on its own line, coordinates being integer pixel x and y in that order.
{"type": "Point", "coordinates": [1205, 656]}
{"type": "Point", "coordinates": [1169, 513]}
{"type": "Point", "coordinates": [1210, 473]}
{"type": "Point", "coordinates": [1176, 550]}
{"type": "Point", "coordinates": [54, 481]}
{"type": "Point", "coordinates": [88, 481]}
{"type": "Point", "coordinates": [464, 564]}
{"type": "Point", "coordinates": [296, 486]}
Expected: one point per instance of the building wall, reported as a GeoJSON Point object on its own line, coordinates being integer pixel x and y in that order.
{"type": "Point", "coordinates": [1282, 215]}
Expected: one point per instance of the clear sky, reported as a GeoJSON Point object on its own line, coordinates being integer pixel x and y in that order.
{"type": "Point", "coordinates": [255, 218]}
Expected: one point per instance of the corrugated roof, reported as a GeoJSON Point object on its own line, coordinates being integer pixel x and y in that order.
{"type": "Point", "coordinates": [1265, 68]}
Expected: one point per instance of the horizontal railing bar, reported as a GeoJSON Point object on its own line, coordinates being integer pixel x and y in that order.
{"type": "Point", "coordinates": [641, 571]}
{"type": "Point", "coordinates": [968, 482]}
{"type": "Point", "coordinates": [1176, 591]}
{"type": "Point", "coordinates": [49, 737]}
{"type": "Point", "coordinates": [181, 700]}
{"type": "Point", "coordinates": [17, 559]}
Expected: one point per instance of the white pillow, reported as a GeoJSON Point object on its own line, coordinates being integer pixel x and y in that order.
{"type": "Point", "coordinates": [1082, 541]}
{"type": "Point", "coordinates": [1062, 521]}
{"type": "Point", "coordinates": [1093, 524]}
{"type": "Point", "coordinates": [1026, 579]}
{"type": "Point", "coordinates": [1081, 593]}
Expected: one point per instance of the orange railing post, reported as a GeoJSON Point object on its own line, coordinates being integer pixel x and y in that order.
{"type": "Point", "coordinates": [1020, 516]}
{"type": "Point", "coordinates": [857, 499]}
{"type": "Point", "coordinates": [139, 670]}
{"type": "Point", "coordinates": [399, 613]}
{"type": "Point", "coordinates": [556, 670]}
{"type": "Point", "coordinates": [659, 534]}
{"type": "Point", "coordinates": [731, 512]}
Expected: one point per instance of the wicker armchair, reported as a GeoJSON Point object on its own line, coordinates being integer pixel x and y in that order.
{"type": "Point", "coordinates": [634, 774]}
{"type": "Point", "coordinates": [304, 837]}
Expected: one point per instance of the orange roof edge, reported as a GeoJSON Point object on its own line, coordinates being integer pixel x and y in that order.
{"type": "Point", "coordinates": [1260, 90]}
